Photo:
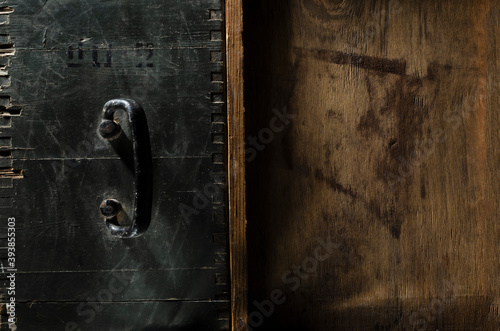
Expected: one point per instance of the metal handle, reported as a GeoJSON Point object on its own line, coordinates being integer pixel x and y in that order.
{"type": "Point", "coordinates": [143, 164]}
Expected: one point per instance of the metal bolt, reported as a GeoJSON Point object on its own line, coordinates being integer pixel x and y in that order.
{"type": "Point", "coordinates": [110, 208]}
{"type": "Point", "coordinates": [109, 129]}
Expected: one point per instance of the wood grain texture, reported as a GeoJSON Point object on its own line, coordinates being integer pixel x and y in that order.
{"type": "Point", "coordinates": [391, 155]}
{"type": "Point", "coordinates": [236, 162]}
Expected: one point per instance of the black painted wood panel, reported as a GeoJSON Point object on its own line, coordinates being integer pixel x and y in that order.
{"type": "Point", "coordinates": [60, 61]}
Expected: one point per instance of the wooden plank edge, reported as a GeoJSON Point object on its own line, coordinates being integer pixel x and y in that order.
{"type": "Point", "coordinates": [236, 163]}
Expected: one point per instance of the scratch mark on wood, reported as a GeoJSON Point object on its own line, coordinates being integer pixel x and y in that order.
{"type": "Point", "coordinates": [44, 39]}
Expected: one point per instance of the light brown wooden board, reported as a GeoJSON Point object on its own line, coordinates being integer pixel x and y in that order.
{"type": "Point", "coordinates": [392, 154]}
{"type": "Point", "coordinates": [236, 162]}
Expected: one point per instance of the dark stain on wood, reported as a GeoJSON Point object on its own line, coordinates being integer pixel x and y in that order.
{"type": "Point", "coordinates": [362, 61]}
{"type": "Point", "coordinates": [334, 184]}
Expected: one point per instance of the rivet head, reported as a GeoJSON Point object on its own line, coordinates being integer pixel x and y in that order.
{"type": "Point", "coordinates": [110, 208]}
{"type": "Point", "coordinates": [109, 129]}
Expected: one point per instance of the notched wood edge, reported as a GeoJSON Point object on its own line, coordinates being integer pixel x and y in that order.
{"type": "Point", "coordinates": [5, 10]}
{"type": "Point", "coordinates": [11, 173]}
{"type": "Point", "coordinates": [7, 110]}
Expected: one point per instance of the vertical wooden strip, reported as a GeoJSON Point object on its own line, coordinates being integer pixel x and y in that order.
{"type": "Point", "coordinates": [236, 162]}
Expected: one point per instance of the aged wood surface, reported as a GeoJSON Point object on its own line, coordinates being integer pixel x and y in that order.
{"type": "Point", "coordinates": [60, 61]}
{"type": "Point", "coordinates": [376, 207]}
{"type": "Point", "coordinates": [236, 162]}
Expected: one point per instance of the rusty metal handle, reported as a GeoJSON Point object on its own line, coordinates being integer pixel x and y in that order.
{"type": "Point", "coordinates": [142, 165]}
